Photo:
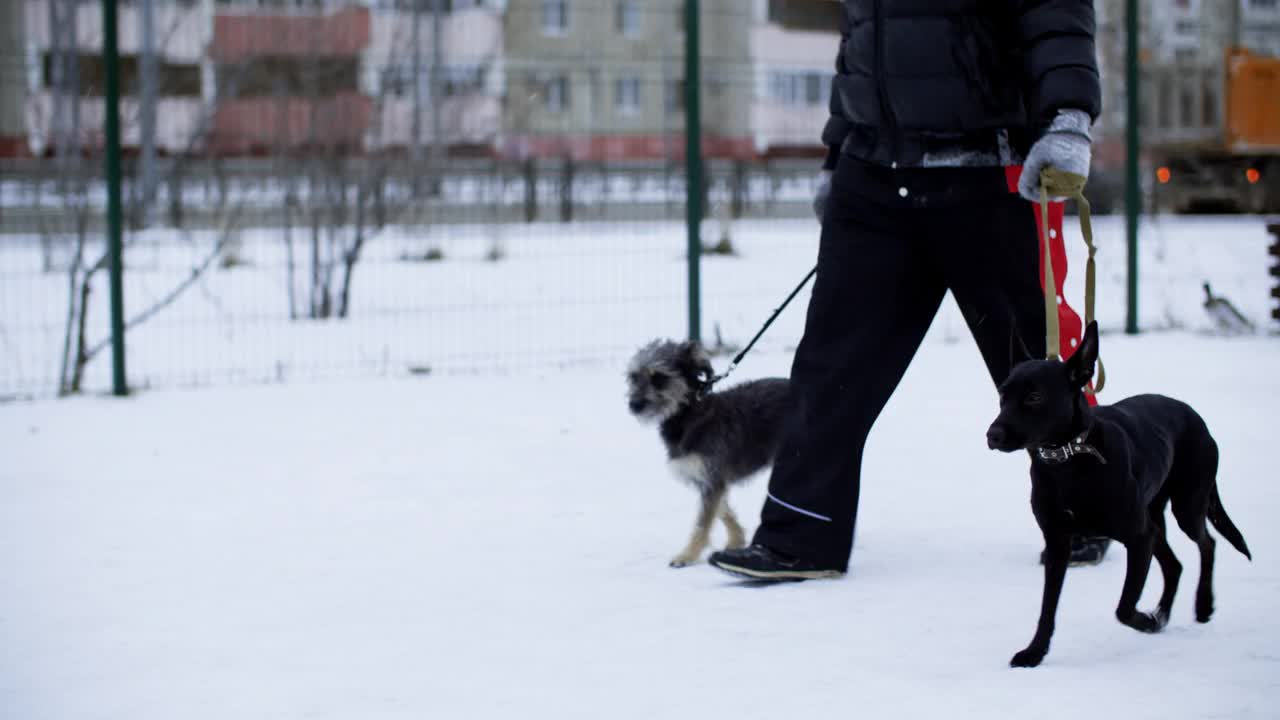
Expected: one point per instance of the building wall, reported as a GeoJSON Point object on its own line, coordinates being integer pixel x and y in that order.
{"type": "Point", "coordinates": [471, 47]}
{"type": "Point", "coordinates": [504, 41]}
{"type": "Point", "coordinates": [756, 92]}
{"type": "Point", "coordinates": [13, 80]}
{"type": "Point", "coordinates": [182, 31]}
{"type": "Point", "coordinates": [182, 35]}
{"type": "Point", "coordinates": [598, 64]}
{"type": "Point", "coordinates": [271, 57]}
{"type": "Point", "coordinates": [1183, 46]}
{"type": "Point", "coordinates": [1260, 27]}
{"type": "Point", "coordinates": [792, 71]}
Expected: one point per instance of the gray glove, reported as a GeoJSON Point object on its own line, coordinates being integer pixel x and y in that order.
{"type": "Point", "coordinates": [821, 194]}
{"type": "Point", "coordinates": [1064, 146]}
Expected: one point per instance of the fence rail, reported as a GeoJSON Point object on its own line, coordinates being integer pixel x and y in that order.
{"type": "Point", "coordinates": [257, 271]}
{"type": "Point", "coordinates": [34, 199]}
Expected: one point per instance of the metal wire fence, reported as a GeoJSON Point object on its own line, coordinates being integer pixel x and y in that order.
{"type": "Point", "coordinates": [318, 188]}
{"type": "Point", "coordinates": [298, 206]}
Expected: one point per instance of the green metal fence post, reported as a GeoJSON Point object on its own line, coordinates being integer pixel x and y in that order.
{"type": "Point", "coordinates": [115, 269]}
{"type": "Point", "coordinates": [1132, 186]}
{"type": "Point", "coordinates": [693, 164]}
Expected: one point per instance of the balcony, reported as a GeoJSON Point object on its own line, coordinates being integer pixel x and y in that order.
{"type": "Point", "coordinates": [241, 35]}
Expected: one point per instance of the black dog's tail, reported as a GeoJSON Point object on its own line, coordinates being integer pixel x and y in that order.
{"type": "Point", "coordinates": [1228, 529]}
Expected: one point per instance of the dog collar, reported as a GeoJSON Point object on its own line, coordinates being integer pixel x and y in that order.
{"type": "Point", "coordinates": [1063, 453]}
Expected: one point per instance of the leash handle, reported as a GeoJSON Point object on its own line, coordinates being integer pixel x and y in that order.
{"type": "Point", "coordinates": [1053, 350]}
{"type": "Point", "coordinates": [1060, 183]}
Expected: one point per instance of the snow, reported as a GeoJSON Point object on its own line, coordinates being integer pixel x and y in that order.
{"type": "Point", "coordinates": [565, 294]}
{"type": "Point", "coordinates": [496, 546]}
{"type": "Point", "coordinates": [478, 187]}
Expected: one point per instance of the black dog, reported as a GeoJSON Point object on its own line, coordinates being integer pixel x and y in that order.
{"type": "Point", "coordinates": [1110, 471]}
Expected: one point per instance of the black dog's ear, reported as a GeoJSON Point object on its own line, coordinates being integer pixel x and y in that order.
{"type": "Point", "coordinates": [694, 362]}
{"type": "Point", "coordinates": [1080, 366]}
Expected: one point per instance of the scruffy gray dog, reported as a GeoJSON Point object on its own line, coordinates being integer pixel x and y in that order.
{"type": "Point", "coordinates": [713, 439]}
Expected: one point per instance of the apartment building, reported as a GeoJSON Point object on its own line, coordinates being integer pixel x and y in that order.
{"type": "Point", "coordinates": [793, 49]}
{"type": "Point", "coordinates": [253, 76]}
{"type": "Point", "coordinates": [589, 79]}
{"type": "Point", "coordinates": [289, 80]}
{"type": "Point", "coordinates": [13, 81]}
{"type": "Point", "coordinates": [597, 79]}
{"type": "Point", "coordinates": [583, 78]}
{"type": "Point", "coordinates": [60, 54]}
{"type": "Point", "coordinates": [399, 71]}
{"type": "Point", "coordinates": [1182, 51]}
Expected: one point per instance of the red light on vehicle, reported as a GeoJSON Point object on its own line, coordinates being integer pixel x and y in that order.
{"type": "Point", "coordinates": [1163, 175]}
{"type": "Point", "coordinates": [1252, 175]}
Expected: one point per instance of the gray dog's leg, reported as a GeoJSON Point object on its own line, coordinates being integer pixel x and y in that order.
{"type": "Point", "coordinates": [737, 538]}
{"type": "Point", "coordinates": [711, 500]}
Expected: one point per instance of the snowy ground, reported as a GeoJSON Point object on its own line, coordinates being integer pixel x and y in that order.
{"type": "Point", "coordinates": [450, 547]}
{"type": "Point", "coordinates": [582, 293]}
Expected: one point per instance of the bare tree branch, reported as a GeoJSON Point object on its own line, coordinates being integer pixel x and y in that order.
{"type": "Point", "coordinates": [229, 225]}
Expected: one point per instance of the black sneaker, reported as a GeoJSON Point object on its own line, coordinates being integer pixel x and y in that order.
{"type": "Point", "coordinates": [757, 562]}
{"type": "Point", "coordinates": [1085, 550]}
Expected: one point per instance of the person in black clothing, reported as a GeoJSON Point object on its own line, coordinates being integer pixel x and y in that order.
{"type": "Point", "coordinates": [934, 106]}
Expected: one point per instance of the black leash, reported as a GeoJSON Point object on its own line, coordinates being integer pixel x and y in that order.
{"type": "Point", "coordinates": [738, 358]}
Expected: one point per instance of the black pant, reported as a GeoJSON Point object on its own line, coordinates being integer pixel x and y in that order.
{"type": "Point", "coordinates": [893, 242]}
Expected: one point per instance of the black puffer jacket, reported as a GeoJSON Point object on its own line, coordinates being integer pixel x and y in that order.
{"type": "Point", "coordinates": [916, 76]}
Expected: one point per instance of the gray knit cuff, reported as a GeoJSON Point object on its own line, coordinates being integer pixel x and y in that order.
{"type": "Point", "coordinates": [1072, 122]}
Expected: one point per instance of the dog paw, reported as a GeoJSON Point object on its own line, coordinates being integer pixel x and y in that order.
{"type": "Point", "coordinates": [735, 544]}
{"type": "Point", "coordinates": [1204, 612]}
{"type": "Point", "coordinates": [682, 560]}
{"type": "Point", "coordinates": [1148, 622]}
{"type": "Point", "coordinates": [1028, 658]}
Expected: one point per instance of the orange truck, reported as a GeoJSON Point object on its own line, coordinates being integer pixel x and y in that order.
{"type": "Point", "coordinates": [1214, 140]}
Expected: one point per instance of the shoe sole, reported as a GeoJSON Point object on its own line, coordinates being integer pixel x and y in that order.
{"type": "Point", "coordinates": [777, 575]}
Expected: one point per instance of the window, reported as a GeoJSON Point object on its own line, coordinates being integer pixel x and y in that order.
{"type": "Point", "coordinates": [1164, 100]}
{"type": "Point", "coordinates": [555, 17]}
{"type": "Point", "coordinates": [797, 88]}
{"type": "Point", "coordinates": [397, 80]}
{"type": "Point", "coordinates": [1210, 103]}
{"type": "Point", "coordinates": [446, 6]}
{"type": "Point", "coordinates": [282, 4]}
{"type": "Point", "coordinates": [462, 80]}
{"type": "Point", "coordinates": [556, 94]}
{"type": "Point", "coordinates": [813, 88]}
{"type": "Point", "coordinates": [627, 96]}
{"type": "Point", "coordinates": [271, 76]}
{"type": "Point", "coordinates": [629, 18]}
{"type": "Point", "coordinates": [172, 79]}
{"type": "Point", "coordinates": [806, 15]}
{"type": "Point", "coordinates": [674, 100]}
